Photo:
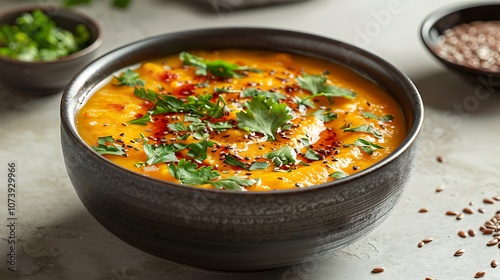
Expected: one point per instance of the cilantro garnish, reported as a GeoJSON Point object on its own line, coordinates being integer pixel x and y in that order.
{"type": "Point", "coordinates": [316, 84]}
{"type": "Point", "coordinates": [259, 166]}
{"type": "Point", "coordinates": [36, 37]}
{"type": "Point", "coordinates": [284, 156]}
{"type": "Point", "coordinates": [384, 118]}
{"type": "Point", "coordinates": [231, 160]}
{"type": "Point", "coordinates": [311, 155]}
{"type": "Point", "coordinates": [110, 149]}
{"type": "Point", "coordinates": [130, 78]}
{"type": "Point", "coordinates": [338, 175]}
{"type": "Point", "coordinates": [199, 106]}
{"type": "Point", "coordinates": [263, 115]}
{"type": "Point", "coordinates": [144, 120]}
{"type": "Point", "coordinates": [365, 128]}
{"type": "Point", "coordinates": [252, 92]}
{"type": "Point", "coordinates": [185, 171]}
{"type": "Point", "coordinates": [325, 116]}
{"type": "Point", "coordinates": [367, 146]}
{"type": "Point", "coordinates": [218, 68]}
{"type": "Point", "coordinates": [198, 150]}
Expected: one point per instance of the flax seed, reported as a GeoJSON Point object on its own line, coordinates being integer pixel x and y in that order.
{"type": "Point", "coordinates": [428, 240]}
{"type": "Point", "coordinates": [420, 244]}
{"type": "Point", "coordinates": [492, 242]}
{"type": "Point", "coordinates": [468, 210]}
{"type": "Point", "coordinates": [480, 274]}
{"type": "Point", "coordinates": [462, 234]}
{"type": "Point", "coordinates": [494, 263]}
{"type": "Point", "coordinates": [481, 210]}
{"type": "Point", "coordinates": [451, 213]}
{"type": "Point", "coordinates": [439, 188]}
{"type": "Point", "coordinates": [460, 216]}
{"type": "Point", "coordinates": [471, 233]}
{"type": "Point", "coordinates": [423, 210]}
{"type": "Point", "coordinates": [378, 270]}
{"type": "Point", "coordinates": [488, 201]}
{"type": "Point", "coordinates": [459, 252]}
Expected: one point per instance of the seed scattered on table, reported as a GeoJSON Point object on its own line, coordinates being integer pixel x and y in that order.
{"type": "Point", "coordinates": [480, 274]}
{"type": "Point", "coordinates": [471, 232]}
{"type": "Point", "coordinates": [462, 234]}
{"type": "Point", "coordinates": [494, 263]}
{"type": "Point", "coordinates": [481, 210]}
{"type": "Point", "coordinates": [460, 216]}
{"type": "Point", "coordinates": [440, 159]}
{"type": "Point", "coordinates": [378, 270]}
{"type": "Point", "coordinates": [421, 244]}
{"type": "Point", "coordinates": [468, 210]}
{"type": "Point", "coordinates": [451, 213]}
{"type": "Point", "coordinates": [459, 252]}
{"type": "Point", "coordinates": [439, 188]}
{"type": "Point", "coordinates": [488, 201]}
{"type": "Point", "coordinates": [423, 210]}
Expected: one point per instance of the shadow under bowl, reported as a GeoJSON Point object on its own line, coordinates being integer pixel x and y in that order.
{"type": "Point", "coordinates": [238, 231]}
{"type": "Point", "coordinates": [48, 77]}
{"type": "Point", "coordinates": [448, 17]}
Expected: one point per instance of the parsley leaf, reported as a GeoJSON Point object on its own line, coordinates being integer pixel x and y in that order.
{"type": "Point", "coordinates": [143, 120]}
{"type": "Point", "coordinates": [311, 155]}
{"type": "Point", "coordinates": [367, 146]}
{"type": "Point", "coordinates": [263, 115]}
{"type": "Point", "coordinates": [219, 68]}
{"type": "Point", "coordinates": [284, 156]}
{"type": "Point", "coordinates": [259, 166]}
{"type": "Point", "coordinates": [338, 175]}
{"type": "Point", "coordinates": [111, 149]}
{"type": "Point", "coordinates": [384, 118]}
{"type": "Point", "coordinates": [365, 128]}
{"type": "Point", "coordinates": [130, 78]}
{"type": "Point", "coordinates": [185, 171]}
{"type": "Point", "coordinates": [316, 84]}
{"type": "Point", "coordinates": [252, 92]}
{"type": "Point", "coordinates": [234, 183]}
{"type": "Point", "coordinates": [198, 150]}
{"type": "Point", "coordinates": [325, 116]}
{"type": "Point", "coordinates": [231, 160]}
{"type": "Point", "coordinates": [160, 153]}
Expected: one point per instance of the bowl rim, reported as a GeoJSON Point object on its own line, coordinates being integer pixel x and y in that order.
{"type": "Point", "coordinates": [439, 14]}
{"type": "Point", "coordinates": [61, 12]}
{"type": "Point", "coordinates": [77, 83]}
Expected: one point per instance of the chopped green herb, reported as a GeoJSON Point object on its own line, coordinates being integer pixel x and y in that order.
{"type": "Point", "coordinates": [338, 175]}
{"type": "Point", "coordinates": [316, 84]}
{"type": "Point", "coordinates": [186, 173]}
{"type": "Point", "coordinates": [284, 156]}
{"type": "Point", "coordinates": [231, 160]}
{"type": "Point", "coordinates": [311, 155]}
{"type": "Point", "coordinates": [252, 92]}
{"type": "Point", "coordinates": [36, 37]}
{"type": "Point", "coordinates": [384, 118]}
{"type": "Point", "coordinates": [218, 68]}
{"type": "Point", "coordinates": [198, 150]}
{"type": "Point", "coordinates": [367, 146]}
{"type": "Point", "coordinates": [259, 166]}
{"type": "Point", "coordinates": [106, 146]}
{"type": "Point", "coordinates": [159, 154]}
{"type": "Point", "coordinates": [365, 128]}
{"type": "Point", "coordinates": [325, 116]}
{"type": "Point", "coordinates": [144, 120]}
{"type": "Point", "coordinates": [130, 78]}
{"type": "Point", "coordinates": [263, 115]}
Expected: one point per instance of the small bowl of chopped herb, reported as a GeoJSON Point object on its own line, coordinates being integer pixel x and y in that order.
{"type": "Point", "coordinates": [465, 39]}
{"type": "Point", "coordinates": [42, 48]}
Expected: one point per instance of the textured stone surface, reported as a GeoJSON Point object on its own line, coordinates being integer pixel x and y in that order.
{"type": "Point", "coordinates": [58, 239]}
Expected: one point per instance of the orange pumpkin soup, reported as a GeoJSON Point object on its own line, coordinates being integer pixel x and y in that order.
{"type": "Point", "coordinates": [245, 120]}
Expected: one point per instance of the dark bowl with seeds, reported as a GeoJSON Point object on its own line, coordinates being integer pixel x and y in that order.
{"type": "Point", "coordinates": [238, 231]}
{"type": "Point", "coordinates": [465, 38]}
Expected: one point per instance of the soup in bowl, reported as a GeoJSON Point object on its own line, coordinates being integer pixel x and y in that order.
{"type": "Point", "coordinates": [267, 147]}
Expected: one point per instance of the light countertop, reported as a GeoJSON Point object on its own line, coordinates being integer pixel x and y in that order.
{"type": "Point", "coordinates": [58, 239]}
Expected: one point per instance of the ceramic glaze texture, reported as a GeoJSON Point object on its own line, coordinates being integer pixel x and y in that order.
{"type": "Point", "coordinates": [263, 230]}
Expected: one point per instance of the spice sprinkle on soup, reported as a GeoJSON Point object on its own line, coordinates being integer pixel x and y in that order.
{"type": "Point", "coordinates": [242, 120]}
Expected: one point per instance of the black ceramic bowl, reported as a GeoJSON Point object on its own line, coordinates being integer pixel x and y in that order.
{"type": "Point", "coordinates": [450, 16]}
{"type": "Point", "coordinates": [47, 77]}
{"type": "Point", "coordinates": [238, 231]}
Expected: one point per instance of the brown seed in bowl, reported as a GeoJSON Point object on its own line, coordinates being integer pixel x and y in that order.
{"type": "Point", "coordinates": [378, 270]}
